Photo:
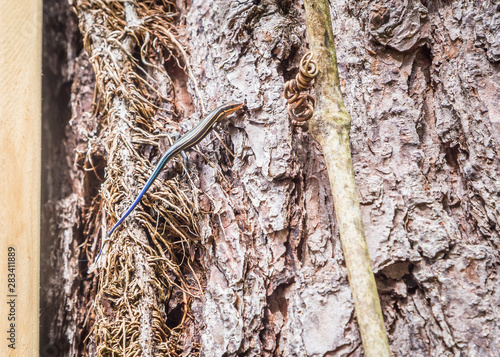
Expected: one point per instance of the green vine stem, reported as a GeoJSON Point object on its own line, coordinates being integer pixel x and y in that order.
{"type": "Point", "coordinates": [330, 126]}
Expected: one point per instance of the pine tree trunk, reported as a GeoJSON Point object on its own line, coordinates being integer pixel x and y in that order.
{"type": "Point", "coordinates": [264, 274]}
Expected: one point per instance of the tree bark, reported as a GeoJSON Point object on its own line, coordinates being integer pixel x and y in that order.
{"type": "Point", "coordinates": [421, 83]}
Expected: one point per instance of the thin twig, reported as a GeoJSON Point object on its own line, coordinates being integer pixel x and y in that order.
{"type": "Point", "coordinates": [330, 126]}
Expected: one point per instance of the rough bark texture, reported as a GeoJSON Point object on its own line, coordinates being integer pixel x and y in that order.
{"type": "Point", "coordinates": [421, 81]}
{"type": "Point", "coordinates": [65, 299]}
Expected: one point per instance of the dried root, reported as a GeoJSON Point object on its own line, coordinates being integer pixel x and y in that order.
{"type": "Point", "coordinates": [149, 276]}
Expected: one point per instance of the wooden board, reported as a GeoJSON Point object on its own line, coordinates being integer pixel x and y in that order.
{"type": "Point", "coordinates": [20, 148]}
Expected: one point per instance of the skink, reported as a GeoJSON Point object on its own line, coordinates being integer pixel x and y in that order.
{"type": "Point", "coordinates": [190, 139]}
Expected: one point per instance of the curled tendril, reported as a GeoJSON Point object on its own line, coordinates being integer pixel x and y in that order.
{"type": "Point", "coordinates": [301, 105]}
